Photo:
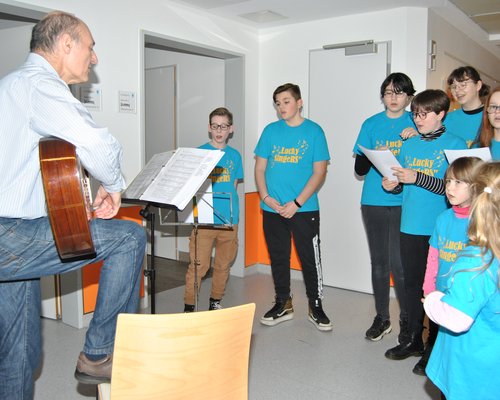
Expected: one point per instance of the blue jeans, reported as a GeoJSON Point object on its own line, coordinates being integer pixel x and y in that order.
{"type": "Point", "coordinates": [27, 252]}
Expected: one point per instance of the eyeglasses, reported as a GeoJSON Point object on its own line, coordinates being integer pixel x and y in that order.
{"type": "Point", "coordinates": [493, 109]}
{"type": "Point", "coordinates": [460, 85]}
{"type": "Point", "coordinates": [390, 93]}
{"type": "Point", "coordinates": [222, 127]}
{"type": "Point", "coordinates": [421, 115]}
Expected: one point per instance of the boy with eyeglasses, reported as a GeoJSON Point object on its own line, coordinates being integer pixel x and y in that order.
{"type": "Point", "coordinates": [381, 210]}
{"type": "Point", "coordinates": [291, 159]}
{"type": "Point", "coordinates": [225, 178]}
{"type": "Point", "coordinates": [421, 175]}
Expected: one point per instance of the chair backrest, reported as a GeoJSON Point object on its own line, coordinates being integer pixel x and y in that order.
{"type": "Point", "coordinates": [201, 355]}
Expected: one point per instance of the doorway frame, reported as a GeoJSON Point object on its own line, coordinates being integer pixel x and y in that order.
{"type": "Point", "coordinates": [234, 95]}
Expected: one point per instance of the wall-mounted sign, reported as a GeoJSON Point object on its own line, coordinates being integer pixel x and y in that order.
{"type": "Point", "coordinates": [91, 96]}
{"type": "Point", "coordinates": [126, 102]}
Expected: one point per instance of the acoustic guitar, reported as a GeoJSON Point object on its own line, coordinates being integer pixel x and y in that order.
{"type": "Point", "coordinates": [67, 192]}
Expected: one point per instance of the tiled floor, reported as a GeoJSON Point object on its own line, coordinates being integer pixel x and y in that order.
{"type": "Point", "coordinates": [291, 361]}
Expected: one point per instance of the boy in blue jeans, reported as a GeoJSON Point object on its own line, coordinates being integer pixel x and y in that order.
{"type": "Point", "coordinates": [291, 160]}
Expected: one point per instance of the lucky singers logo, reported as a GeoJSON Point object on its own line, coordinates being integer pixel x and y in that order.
{"type": "Point", "coordinates": [289, 155]}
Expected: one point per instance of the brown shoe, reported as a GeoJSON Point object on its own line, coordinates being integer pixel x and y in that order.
{"type": "Point", "coordinates": [93, 372]}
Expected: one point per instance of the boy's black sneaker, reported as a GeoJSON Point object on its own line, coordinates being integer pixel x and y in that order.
{"type": "Point", "coordinates": [214, 305]}
{"type": "Point", "coordinates": [188, 308]}
{"type": "Point", "coordinates": [318, 317]}
{"type": "Point", "coordinates": [282, 311]}
{"type": "Point", "coordinates": [413, 346]}
{"type": "Point", "coordinates": [379, 329]}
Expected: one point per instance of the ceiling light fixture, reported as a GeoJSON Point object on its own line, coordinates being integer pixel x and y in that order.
{"type": "Point", "coordinates": [263, 16]}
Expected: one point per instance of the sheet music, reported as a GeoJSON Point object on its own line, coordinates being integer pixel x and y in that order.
{"type": "Point", "coordinates": [176, 178]}
{"type": "Point", "coordinates": [483, 153]}
{"type": "Point", "coordinates": [383, 160]}
{"type": "Point", "coordinates": [147, 175]}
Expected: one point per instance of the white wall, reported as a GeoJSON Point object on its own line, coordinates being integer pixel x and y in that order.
{"type": "Point", "coordinates": [116, 27]}
{"type": "Point", "coordinates": [454, 48]}
{"type": "Point", "coordinates": [285, 51]}
{"type": "Point", "coordinates": [200, 84]}
{"type": "Point", "coordinates": [14, 47]}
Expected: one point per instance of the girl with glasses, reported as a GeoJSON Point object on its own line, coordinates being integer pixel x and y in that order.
{"type": "Point", "coordinates": [490, 127]}
{"type": "Point", "coordinates": [467, 89]}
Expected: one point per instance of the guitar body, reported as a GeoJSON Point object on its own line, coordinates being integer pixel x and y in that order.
{"type": "Point", "coordinates": [67, 193]}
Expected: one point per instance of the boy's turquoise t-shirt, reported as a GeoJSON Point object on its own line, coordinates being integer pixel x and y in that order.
{"type": "Point", "coordinates": [466, 365]}
{"type": "Point", "coordinates": [291, 153]}
{"type": "Point", "coordinates": [449, 238]}
{"type": "Point", "coordinates": [228, 170]}
{"type": "Point", "coordinates": [420, 206]}
{"type": "Point", "coordinates": [463, 125]}
{"type": "Point", "coordinates": [381, 131]}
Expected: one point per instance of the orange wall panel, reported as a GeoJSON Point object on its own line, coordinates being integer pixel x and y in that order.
{"type": "Point", "coordinates": [255, 243]}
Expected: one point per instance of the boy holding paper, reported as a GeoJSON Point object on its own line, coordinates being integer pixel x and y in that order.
{"type": "Point", "coordinates": [225, 177]}
{"type": "Point", "coordinates": [423, 161]}
{"type": "Point", "coordinates": [381, 210]}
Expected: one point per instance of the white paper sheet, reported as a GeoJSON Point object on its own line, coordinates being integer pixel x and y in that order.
{"type": "Point", "coordinates": [173, 179]}
{"type": "Point", "coordinates": [483, 153]}
{"type": "Point", "coordinates": [136, 189]}
{"type": "Point", "coordinates": [204, 202]}
{"type": "Point", "coordinates": [383, 160]}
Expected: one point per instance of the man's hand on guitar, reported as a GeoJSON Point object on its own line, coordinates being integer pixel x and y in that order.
{"type": "Point", "coordinates": [106, 205]}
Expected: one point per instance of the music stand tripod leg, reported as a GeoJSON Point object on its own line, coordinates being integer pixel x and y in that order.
{"type": "Point", "coordinates": [150, 270]}
{"type": "Point", "coordinates": [196, 263]}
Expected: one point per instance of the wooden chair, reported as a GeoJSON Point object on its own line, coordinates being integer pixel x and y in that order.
{"type": "Point", "coordinates": [200, 355]}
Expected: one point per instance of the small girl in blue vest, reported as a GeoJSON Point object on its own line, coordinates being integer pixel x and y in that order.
{"type": "Point", "coordinates": [466, 356]}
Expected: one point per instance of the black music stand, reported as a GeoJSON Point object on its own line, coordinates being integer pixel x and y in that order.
{"type": "Point", "coordinates": [149, 271]}
{"type": "Point", "coordinates": [169, 180]}
{"type": "Point", "coordinates": [196, 224]}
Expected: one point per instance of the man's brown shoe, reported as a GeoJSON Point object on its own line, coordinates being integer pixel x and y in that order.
{"type": "Point", "coordinates": [93, 372]}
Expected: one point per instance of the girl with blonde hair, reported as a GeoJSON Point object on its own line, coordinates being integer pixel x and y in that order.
{"type": "Point", "coordinates": [467, 350]}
